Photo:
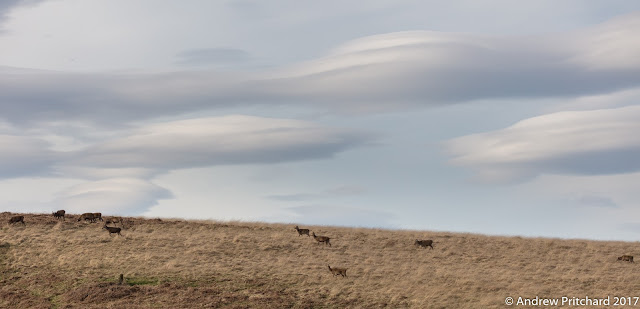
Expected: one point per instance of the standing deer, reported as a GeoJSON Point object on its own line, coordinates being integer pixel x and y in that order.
{"type": "Point", "coordinates": [302, 231]}
{"type": "Point", "coordinates": [16, 219]}
{"type": "Point", "coordinates": [626, 258]}
{"type": "Point", "coordinates": [87, 216]}
{"type": "Point", "coordinates": [112, 230]}
{"type": "Point", "coordinates": [323, 239]}
{"type": "Point", "coordinates": [424, 243]}
{"type": "Point", "coordinates": [98, 216]}
{"type": "Point", "coordinates": [59, 214]}
{"type": "Point", "coordinates": [338, 271]}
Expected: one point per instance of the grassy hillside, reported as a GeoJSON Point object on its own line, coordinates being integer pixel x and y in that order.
{"type": "Point", "coordinates": [190, 264]}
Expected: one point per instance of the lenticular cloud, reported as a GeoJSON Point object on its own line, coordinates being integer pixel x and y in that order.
{"type": "Point", "coordinates": [577, 142]}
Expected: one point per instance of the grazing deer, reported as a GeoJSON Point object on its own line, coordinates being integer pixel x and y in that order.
{"type": "Point", "coordinates": [424, 243]}
{"type": "Point", "coordinates": [323, 239]}
{"type": "Point", "coordinates": [98, 216]}
{"type": "Point", "coordinates": [626, 258]}
{"type": "Point", "coordinates": [59, 214]}
{"type": "Point", "coordinates": [16, 219]}
{"type": "Point", "coordinates": [338, 271]}
{"type": "Point", "coordinates": [87, 216]}
{"type": "Point", "coordinates": [302, 231]}
{"type": "Point", "coordinates": [112, 230]}
{"type": "Point", "coordinates": [115, 220]}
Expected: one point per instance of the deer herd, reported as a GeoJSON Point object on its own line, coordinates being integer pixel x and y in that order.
{"type": "Point", "coordinates": [336, 271]}
{"type": "Point", "coordinates": [92, 217]}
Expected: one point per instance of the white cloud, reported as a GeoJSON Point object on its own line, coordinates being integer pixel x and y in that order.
{"type": "Point", "coordinates": [121, 163]}
{"type": "Point", "coordinates": [383, 72]}
{"type": "Point", "coordinates": [211, 141]}
{"type": "Point", "coordinates": [112, 196]}
{"type": "Point", "coordinates": [427, 68]}
{"type": "Point", "coordinates": [578, 142]}
{"type": "Point", "coordinates": [612, 45]}
{"type": "Point", "coordinates": [336, 216]}
{"type": "Point", "coordinates": [600, 101]}
{"type": "Point", "coordinates": [342, 191]}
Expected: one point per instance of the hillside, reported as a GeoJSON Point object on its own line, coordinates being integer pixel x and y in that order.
{"type": "Point", "coordinates": [48, 263]}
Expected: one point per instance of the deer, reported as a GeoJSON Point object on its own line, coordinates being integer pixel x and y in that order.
{"type": "Point", "coordinates": [626, 258]}
{"type": "Point", "coordinates": [87, 216]}
{"type": "Point", "coordinates": [115, 220]}
{"type": "Point", "coordinates": [338, 271]}
{"type": "Point", "coordinates": [424, 243]}
{"type": "Point", "coordinates": [59, 214]}
{"type": "Point", "coordinates": [302, 231]}
{"type": "Point", "coordinates": [16, 219]}
{"type": "Point", "coordinates": [323, 239]}
{"type": "Point", "coordinates": [98, 216]}
{"type": "Point", "coordinates": [112, 230]}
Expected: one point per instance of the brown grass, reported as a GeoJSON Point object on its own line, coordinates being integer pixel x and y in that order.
{"type": "Point", "coordinates": [193, 264]}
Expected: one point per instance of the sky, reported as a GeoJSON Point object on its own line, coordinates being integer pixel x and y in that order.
{"type": "Point", "coordinates": [496, 117]}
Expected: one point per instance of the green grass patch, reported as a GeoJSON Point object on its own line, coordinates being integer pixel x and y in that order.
{"type": "Point", "coordinates": [55, 302]}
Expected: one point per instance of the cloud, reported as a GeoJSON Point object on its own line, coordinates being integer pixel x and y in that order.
{"type": "Point", "coordinates": [430, 68]}
{"type": "Point", "coordinates": [596, 201]}
{"type": "Point", "coordinates": [212, 56]}
{"type": "Point", "coordinates": [7, 5]}
{"type": "Point", "coordinates": [25, 156]}
{"type": "Point", "coordinates": [212, 141]}
{"type": "Point", "coordinates": [329, 193]}
{"type": "Point", "coordinates": [578, 142]}
{"type": "Point", "coordinates": [337, 215]}
{"type": "Point", "coordinates": [391, 71]}
{"type": "Point", "coordinates": [601, 101]}
{"type": "Point", "coordinates": [120, 163]}
{"type": "Point", "coordinates": [127, 196]}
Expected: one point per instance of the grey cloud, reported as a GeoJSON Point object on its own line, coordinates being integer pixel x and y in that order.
{"type": "Point", "coordinates": [596, 201]}
{"type": "Point", "coordinates": [427, 68]}
{"type": "Point", "coordinates": [373, 74]}
{"type": "Point", "coordinates": [580, 142]}
{"type": "Point", "coordinates": [294, 197]}
{"type": "Point", "coordinates": [334, 192]}
{"type": "Point", "coordinates": [7, 5]}
{"type": "Point", "coordinates": [346, 191]}
{"type": "Point", "coordinates": [212, 56]}
{"type": "Point", "coordinates": [150, 149]}
{"type": "Point", "coordinates": [28, 97]}
{"type": "Point", "coordinates": [220, 140]}
{"type": "Point", "coordinates": [338, 215]}
{"type": "Point", "coordinates": [26, 156]}
{"type": "Point", "coordinates": [127, 196]}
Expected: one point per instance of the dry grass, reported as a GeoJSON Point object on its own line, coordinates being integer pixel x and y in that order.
{"type": "Point", "coordinates": [192, 264]}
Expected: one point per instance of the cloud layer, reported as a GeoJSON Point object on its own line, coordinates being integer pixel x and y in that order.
{"type": "Point", "coordinates": [25, 156]}
{"type": "Point", "coordinates": [383, 72]}
{"type": "Point", "coordinates": [220, 140]}
{"type": "Point", "coordinates": [112, 196]}
{"type": "Point", "coordinates": [577, 142]}
{"type": "Point", "coordinates": [337, 215]}
{"type": "Point", "coordinates": [120, 165]}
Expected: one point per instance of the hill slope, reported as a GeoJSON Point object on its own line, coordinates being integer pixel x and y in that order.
{"type": "Point", "coordinates": [189, 264]}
